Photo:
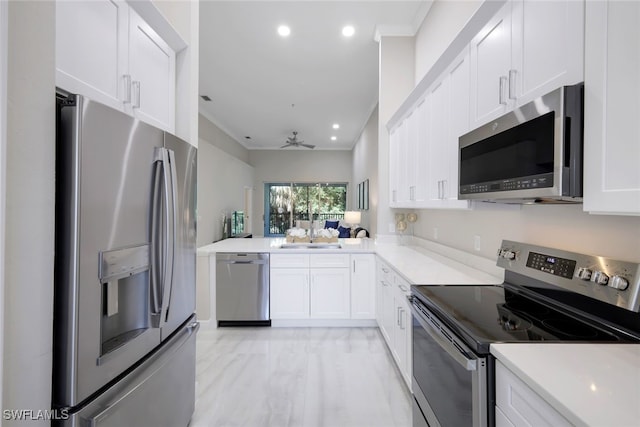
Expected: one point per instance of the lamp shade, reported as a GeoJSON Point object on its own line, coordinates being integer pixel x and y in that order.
{"type": "Point", "coordinates": [352, 217]}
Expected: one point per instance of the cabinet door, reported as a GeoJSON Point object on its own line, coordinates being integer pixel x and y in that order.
{"type": "Point", "coordinates": [394, 165]}
{"type": "Point", "coordinates": [289, 293]}
{"type": "Point", "coordinates": [152, 67]}
{"type": "Point", "coordinates": [612, 108]}
{"type": "Point", "coordinates": [490, 64]}
{"type": "Point", "coordinates": [438, 165]}
{"type": "Point", "coordinates": [363, 286]}
{"type": "Point", "coordinates": [458, 125]}
{"type": "Point", "coordinates": [384, 301]}
{"type": "Point", "coordinates": [521, 405]}
{"type": "Point", "coordinates": [548, 47]}
{"type": "Point", "coordinates": [330, 293]}
{"type": "Point", "coordinates": [402, 336]}
{"type": "Point", "coordinates": [91, 49]}
{"type": "Point", "coordinates": [420, 156]}
{"type": "Point", "coordinates": [398, 171]}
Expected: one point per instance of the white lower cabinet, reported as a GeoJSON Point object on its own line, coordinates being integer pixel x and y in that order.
{"type": "Point", "coordinates": [518, 405]}
{"type": "Point", "coordinates": [363, 286]}
{"type": "Point", "coordinates": [402, 329]}
{"type": "Point", "coordinates": [394, 316]}
{"type": "Point", "coordinates": [384, 298]}
{"type": "Point", "coordinates": [329, 294]}
{"type": "Point", "coordinates": [322, 286]}
{"type": "Point", "coordinates": [289, 293]}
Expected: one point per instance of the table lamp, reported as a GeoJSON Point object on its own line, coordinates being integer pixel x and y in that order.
{"type": "Point", "coordinates": [352, 218]}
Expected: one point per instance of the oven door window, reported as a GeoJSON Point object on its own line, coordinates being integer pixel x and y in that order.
{"type": "Point", "coordinates": [446, 385]}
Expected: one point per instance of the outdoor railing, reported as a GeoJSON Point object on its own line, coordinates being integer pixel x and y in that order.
{"type": "Point", "coordinates": [279, 223]}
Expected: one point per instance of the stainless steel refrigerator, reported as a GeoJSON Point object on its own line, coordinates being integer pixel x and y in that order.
{"type": "Point", "coordinates": [124, 322]}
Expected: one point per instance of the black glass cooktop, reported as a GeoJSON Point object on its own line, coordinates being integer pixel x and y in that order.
{"type": "Point", "coordinates": [485, 314]}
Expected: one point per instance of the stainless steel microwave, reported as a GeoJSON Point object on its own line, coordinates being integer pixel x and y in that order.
{"type": "Point", "coordinates": [532, 154]}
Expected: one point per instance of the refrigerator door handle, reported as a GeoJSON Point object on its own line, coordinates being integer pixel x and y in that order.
{"type": "Point", "coordinates": [163, 232]}
{"type": "Point", "coordinates": [172, 206]}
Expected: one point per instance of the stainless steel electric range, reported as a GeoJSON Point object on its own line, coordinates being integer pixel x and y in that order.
{"type": "Point", "coordinates": [548, 295]}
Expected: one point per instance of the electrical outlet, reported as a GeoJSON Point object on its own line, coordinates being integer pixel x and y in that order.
{"type": "Point", "coordinates": [476, 242]}
{"type": "Point", "coordinates": [435, 233]}
{"type": "Point", "coordinates": [392, 227]}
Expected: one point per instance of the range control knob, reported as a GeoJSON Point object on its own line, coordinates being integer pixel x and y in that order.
{"type": "Point", "coordinates": [583, 273]}
{"type": "Point", "coordinates": [619, 282]}
{"type": "Point", "coordinates": [507, 254]}
{"type": "Point", "coordinates": [599, 277]}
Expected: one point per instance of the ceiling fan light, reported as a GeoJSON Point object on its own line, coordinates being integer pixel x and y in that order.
{"type": "Point", "coordinates": [336, 126]}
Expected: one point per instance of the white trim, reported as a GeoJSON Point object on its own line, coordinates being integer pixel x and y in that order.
{"type": "Point", "coordinates": [4, 35]}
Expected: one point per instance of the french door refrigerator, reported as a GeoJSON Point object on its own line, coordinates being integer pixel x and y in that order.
{"type": "Point", "coordinates": [124, 322]}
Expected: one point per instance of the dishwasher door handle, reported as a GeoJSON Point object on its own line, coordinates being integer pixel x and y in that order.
{"type": "Point", "coordinates": [261, 262]}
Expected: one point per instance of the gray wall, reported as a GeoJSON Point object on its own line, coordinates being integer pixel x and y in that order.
{"type": "Point", "coordinates": [222, 179]}
{"type": "Point", "coordinates": [28, 274]}
{"type": "Point", "coordinates": [290, 165]}
{"type": "Point", "coordinates": [217, 137]}
{"type": "Point", "coordinates": [365, 166]}
{"type": "Point", "coordinates": [564, 227]}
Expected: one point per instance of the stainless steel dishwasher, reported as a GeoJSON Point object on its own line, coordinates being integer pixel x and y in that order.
{"type": "Point", "coordinates": [242, 289]}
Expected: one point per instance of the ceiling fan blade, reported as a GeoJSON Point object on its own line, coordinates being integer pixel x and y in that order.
{"type": "Point", "coordinates": [309, 146]}
{"type": "Point", "coordinates": [286, 145]}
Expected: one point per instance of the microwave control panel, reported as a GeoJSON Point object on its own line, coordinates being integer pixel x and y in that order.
{"type": "Point", "coordinates": [525, 183]}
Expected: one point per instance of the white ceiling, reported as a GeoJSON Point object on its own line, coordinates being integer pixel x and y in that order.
{"type": "Point", "coordinates": [265, 86]}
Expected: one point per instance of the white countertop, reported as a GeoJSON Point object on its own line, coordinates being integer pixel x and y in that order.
{"type": "Point", "coordinates": [416, 264]}
{"type": "Point", "coordinates": [589, 384]}
{"type": "Point", "coordinates": [273, 245]}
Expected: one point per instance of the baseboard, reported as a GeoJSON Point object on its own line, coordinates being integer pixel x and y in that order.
{"type": "Point", "coordinates": [323, 323]}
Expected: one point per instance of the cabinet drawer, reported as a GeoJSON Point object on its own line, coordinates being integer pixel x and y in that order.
{"type": "Point", "coordinates": [521, 405]}
{"type": "Point", "coordinates": [383, 273]}
{"type": "Point", "coordinates": [289, 261]}
{"type": "Point", "coordinates": [329, 261]}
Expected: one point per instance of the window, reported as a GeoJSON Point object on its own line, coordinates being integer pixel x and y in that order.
{"type": "Point", "coordinates": [285, 203]}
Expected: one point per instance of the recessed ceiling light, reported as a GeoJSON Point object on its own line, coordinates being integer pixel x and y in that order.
{"type": "Point", "coordinates": [284, 31]}
{"type": "Point", "coordinates": [336, 126]}
{"type": "Point", "coordinates": [333, 138]}
{"type": "Point", "coordinates": [348, 31]}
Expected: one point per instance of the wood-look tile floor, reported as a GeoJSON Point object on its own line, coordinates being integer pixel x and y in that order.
{"type": "Point", "coordinates": [297, 377]}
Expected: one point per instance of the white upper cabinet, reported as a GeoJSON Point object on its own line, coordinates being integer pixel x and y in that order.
{"type": "Point", "coordinates": [152, 66]}
{"type": "Point", "coordinates": [448, 119]}
{"type": "Point", "coordinates": [91, 49]}
{"type": "Point", "coordinates": [612, 108]}
{"type": "Point", "coordinates": [548, 47]}
{"type": "Point", "coordinates": [490, 65]}
{"type": "Point", "coordinates": [107, 52]}
{"type": "Point", "coordinates": [529, 48]}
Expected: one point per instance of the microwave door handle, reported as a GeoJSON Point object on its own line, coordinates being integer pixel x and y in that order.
{"type": "Point", "coordinates": [446, 345]}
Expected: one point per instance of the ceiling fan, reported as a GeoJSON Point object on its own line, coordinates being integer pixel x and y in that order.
{"type": "Point", "coordinates": [293, 141]}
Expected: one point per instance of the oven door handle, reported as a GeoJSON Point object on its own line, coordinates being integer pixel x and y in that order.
{"type": "Point", "coordinates": [447, 345]}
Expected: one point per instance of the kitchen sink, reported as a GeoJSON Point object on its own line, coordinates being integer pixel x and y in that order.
{"type": "Point", "coordinates": [311, 246]}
